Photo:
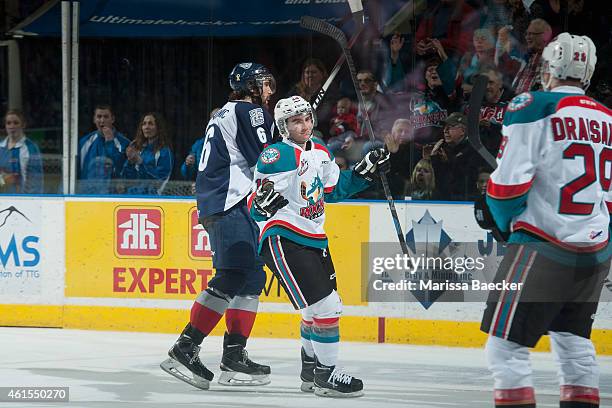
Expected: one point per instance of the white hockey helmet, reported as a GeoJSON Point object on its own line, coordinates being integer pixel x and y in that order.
{"type": "Point", "coordinates": [569, 56]}
{"type": "Point", "coordinates": [288, 107]}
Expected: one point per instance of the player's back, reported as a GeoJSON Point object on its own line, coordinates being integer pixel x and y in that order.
{"type": "Point", "coordinates": [235, 136]}
{"type": "Point", "coordinates": [567, 138]}
{"type": "Point", "coordinates": [568, 199]}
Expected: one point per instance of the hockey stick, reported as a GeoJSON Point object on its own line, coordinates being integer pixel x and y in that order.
{"type": "Point", "coordinates": [334, 32]}
{"type": "Point", "coordinates": [473, 119]}
{"type": "Point", "coordinates": [316, 101]}
{"type": "Point", "coordinates": [358, 17]}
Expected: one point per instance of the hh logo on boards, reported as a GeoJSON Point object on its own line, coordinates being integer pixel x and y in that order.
{"type": "Point", "coordinates": [139, 232]}
{"type": "Point", "coordinates": [199, 241]}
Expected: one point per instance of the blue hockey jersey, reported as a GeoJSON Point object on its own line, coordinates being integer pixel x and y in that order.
{"type": "Point", "coordinates": [235, 136]}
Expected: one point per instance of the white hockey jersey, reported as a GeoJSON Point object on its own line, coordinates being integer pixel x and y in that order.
{"type": "Point", "coordinates": [307, 178]}
{"type": "Point", "coordinates": [554, 170]}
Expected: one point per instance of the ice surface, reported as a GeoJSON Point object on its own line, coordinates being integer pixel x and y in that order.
{"type": "Point", "coordinates": [121, 369]}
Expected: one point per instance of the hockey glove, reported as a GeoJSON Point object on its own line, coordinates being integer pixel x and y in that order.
{"type": "Point", "coordinates": [375, 160]}
{"type": "Point", "coordinates": [485, 220]}
{"type": "Point", "coordinates": [267, 201]}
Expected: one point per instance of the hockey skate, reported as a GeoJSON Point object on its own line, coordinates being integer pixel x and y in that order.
{"type": "Point", "coordinates": [332, 382]}
{"type": "Point", "coordinates": [307, 374]}
{"type": "Point", "coordinates": [237, 368]}
{"type": "Point", "coordinates": [184, 363]}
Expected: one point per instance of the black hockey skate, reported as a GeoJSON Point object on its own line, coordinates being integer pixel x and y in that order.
{"type": "Point", "coordinates": [332, 382]}
{"type": "Point", "coordinates": [236, 364]}
{"type": "Point", "coordinates": [307, 374]}
{"type": "Point", "coordinates": [184, 354]}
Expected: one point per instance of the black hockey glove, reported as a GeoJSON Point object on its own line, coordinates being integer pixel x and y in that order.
{"type": "Point", "coordinates": [485, 220]}
{"type": "Point", "coordinates": [376, 160]}
{"type": "Point", "coordinates": [267, 201]}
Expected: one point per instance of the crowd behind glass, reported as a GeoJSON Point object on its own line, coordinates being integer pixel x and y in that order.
{"type": "Point", "coordinates": [415, 87]}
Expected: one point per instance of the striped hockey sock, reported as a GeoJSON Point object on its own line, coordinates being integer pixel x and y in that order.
{"type": "Point", "coordinates": [306, 337]}
{"type": "Point", "coordinates": [575, 396]}
{"type": "Point", "coordinates": [515, 398]}
{"type": "Point", "coordinates": [207, 310]}
{"type": "Point", "coordinates": [325, 340]}
{"type": "Point", "coordinates": [240, 315]}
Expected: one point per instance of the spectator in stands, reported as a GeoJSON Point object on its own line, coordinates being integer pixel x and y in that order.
{"type": "Point", "coordinates": [527, 72]}
{"type": "Point", "coordinates": [509, 46]}
{"type": "Point", "coordinates": [396, 64]}
{"type": "Point", "coordinates": [548, 10]}
{"type": "Point", "coordinates": [429, 108]}
{"type": "Point", "coordinates": [483, 178]}
{"type": "Point", "coordinates": [450, 21]}
{"type": "Point", "coordinates": [189, 168]}
{"type": "Point", "coordinates": [377, 107]}
{"type": "Point", "coordinates": [472, 62]}
{"type": "Point", "coordinates": [98, 150]}
{"type": "Point", "coordinates": [493, 109]}
{"type": "Point", "coordinates": [21, 170]}
{"type": "Point", "coordinates": [423, 182]}
{"type": "Point", "coordinates": [149, 158]}
{"type": "Point", "coordinates": [454, 161]}
{"type": "Point", "coordinates": [404, 154]}
{"type": "Point", "coordinates": [312, 78]}
{"type": "Point", "coordinates": [313, 75]}
{"type": "Point", "coordinates": [343, 128]}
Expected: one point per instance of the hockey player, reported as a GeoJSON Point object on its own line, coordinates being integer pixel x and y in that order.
{"type": "Point", "coordinates": [235, 136]}
{"type": "Point", "coordinates": [551, 187]}
{"type": "Point", "coordinates": [294, 179]}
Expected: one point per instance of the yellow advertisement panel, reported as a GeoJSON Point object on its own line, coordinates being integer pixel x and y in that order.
{"type": "Point", "coordinates": [157, 250]}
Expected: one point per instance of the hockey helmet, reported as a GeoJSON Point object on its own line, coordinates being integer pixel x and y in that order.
{"type": "Point", "coordinates": [569, 56]}
{"type": "Point", "coordinates": [289, 107]}
{"type": "Point", "coordinates": [248, 76]}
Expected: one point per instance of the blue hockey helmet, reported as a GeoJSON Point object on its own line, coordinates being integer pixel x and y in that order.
{"type": "Point", "coordinates": [248, 75]}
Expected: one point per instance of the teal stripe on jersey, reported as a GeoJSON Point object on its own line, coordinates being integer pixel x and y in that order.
{"type": "Point", "coordinates": [348, 184]}
{"type": "Point", "coordinates": [530, 107]}
{"type": "Point", "coordinates": [292, 236]}
{"type": "Point", "coordinates": [560, 255]}
{"type": "Point", "coordinates": [504, 210]}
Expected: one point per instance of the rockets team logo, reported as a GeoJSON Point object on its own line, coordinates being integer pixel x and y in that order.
{"type": "Point", "coordinates": [313, 194]}
{"type": "Point", "coordinates": [520, 102]}
{"type": "Point", "coordinates": [138, 232]}
{"type": "Point", "coordinates": [270, 155]}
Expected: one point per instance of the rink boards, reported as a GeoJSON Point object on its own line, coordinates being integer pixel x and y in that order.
{"type": "Point", "coordinates": [137, 265]}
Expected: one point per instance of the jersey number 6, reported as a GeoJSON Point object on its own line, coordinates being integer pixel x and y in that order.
{"type": "Point", "coordinates": [567, 205]}
{"type": "Point", "coordinates": [210, 133]}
